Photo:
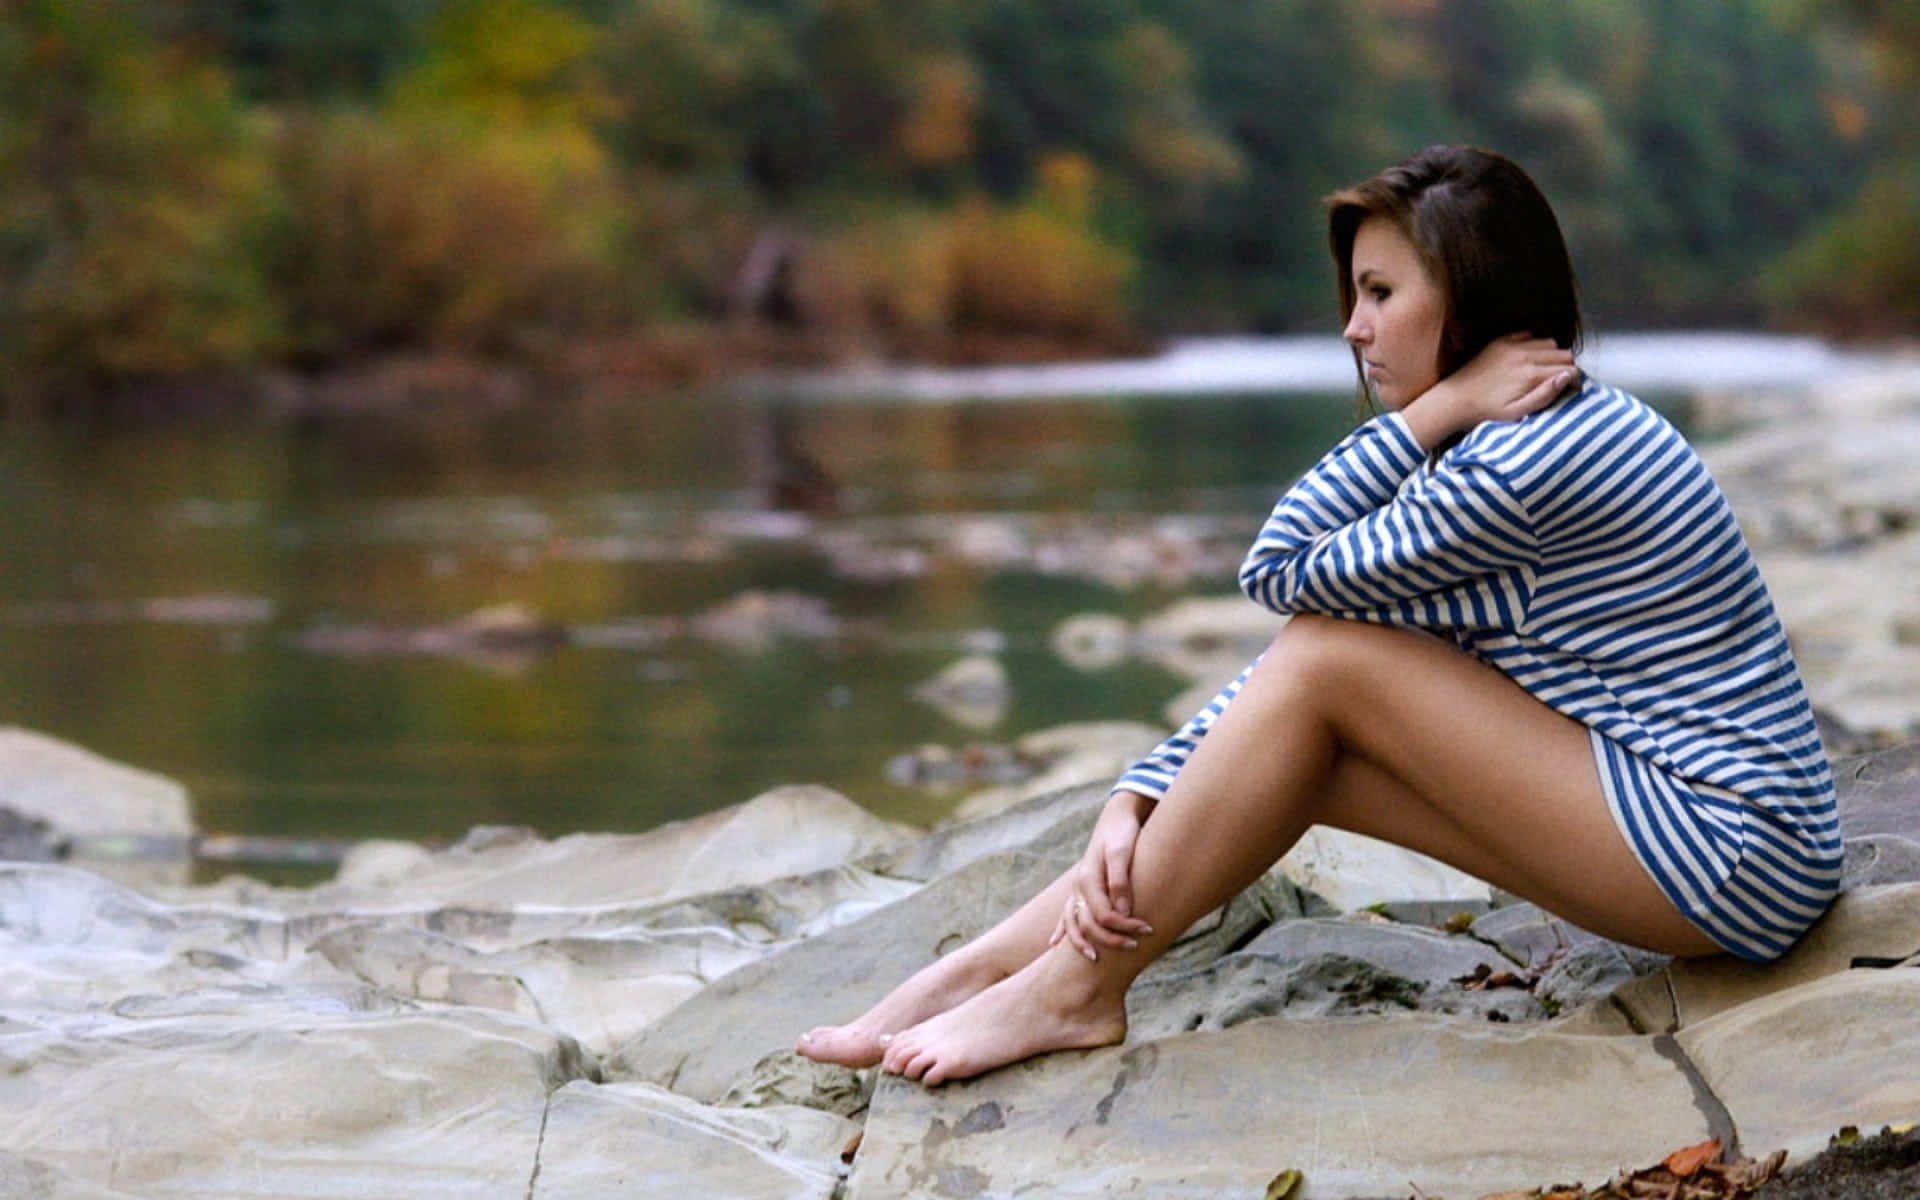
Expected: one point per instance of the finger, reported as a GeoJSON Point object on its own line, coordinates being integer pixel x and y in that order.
{"type": "Point", "coordinates": [1099, 914]}
{"type": "Point", "coordinates": [1541, 394]}
{"type": "Point", "coordinates": [1132, 927]}
{"type": "Point", "coordinates": [1119, 881]}
{"type": "Point", "coordinates": [1077, 938]}
{"type": "Point", "coordinates": [1105, 935]}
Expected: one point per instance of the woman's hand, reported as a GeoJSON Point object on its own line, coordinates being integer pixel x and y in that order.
{"type": "Point", "coordinates": [1511, 377]}
{"type": "Point", "coordinates": [1100, 910]}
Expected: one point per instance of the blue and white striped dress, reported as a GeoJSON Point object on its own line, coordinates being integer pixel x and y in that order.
{"type": "Point", "coordinates": [1585, 552]}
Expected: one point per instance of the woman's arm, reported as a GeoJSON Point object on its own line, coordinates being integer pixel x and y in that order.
{"type": "Point", "coordinates": [1361, 537]}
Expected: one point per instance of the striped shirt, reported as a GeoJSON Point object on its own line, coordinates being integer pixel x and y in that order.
{"type": "Point", "coordinates": [1585, 552]}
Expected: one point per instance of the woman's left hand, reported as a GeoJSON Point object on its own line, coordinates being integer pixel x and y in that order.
{"type": "Point", "coordinates": [1100, 910]}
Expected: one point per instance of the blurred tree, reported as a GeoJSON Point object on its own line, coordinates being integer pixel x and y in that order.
{"type": "Point", "coordinates": [1859, 273]}
{"type": "Point", "coordinates": [715, 88]}
{"type": "Point", "coordinates": [133, 192]}
{"type": "Point", "coordinates": [1309, 93]}
{"type": "Point", "coordinates": [480, 213]}
{"type": "Point", "coordinates": [296, 50]}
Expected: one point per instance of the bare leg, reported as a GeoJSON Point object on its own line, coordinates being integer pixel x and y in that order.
{"type": "Point", "coordinates": [1016, 941]}
{"type": "Point", "coordinates": [1379, 730]}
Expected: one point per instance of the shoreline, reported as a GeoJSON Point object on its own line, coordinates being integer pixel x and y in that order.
{"type": "Point", "coordinates": [595, 1014]}
{"type": "Point", "coordinates": [779, 364]}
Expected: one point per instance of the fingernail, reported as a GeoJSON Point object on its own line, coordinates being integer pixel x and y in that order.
{"type": "Point", "coordinates": [886, 1038]}
{"type": "Point", "coordinates": [1091, 956]}
{"type": "Point", "coordinates": [1132, 945]}
{"type": "Point", "coordinates": [805, 1038]}
{"type": "Point", "coordinates": [1147, 929]}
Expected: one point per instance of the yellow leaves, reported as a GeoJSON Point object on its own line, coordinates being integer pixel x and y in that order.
{"type": "Point", "coordinates": [1285, 1185]}
{"type": "Point", "coordinates": [983, 269]}
{"type": "Point", "coordinates": [938, 128]}
{"type": "Point", "coordinates": [521, 63]}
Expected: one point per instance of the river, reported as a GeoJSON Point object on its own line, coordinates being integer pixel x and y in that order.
{"type": "Point", "coordinates": [716, 591]}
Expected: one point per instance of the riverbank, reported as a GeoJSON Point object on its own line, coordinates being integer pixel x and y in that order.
{"type": "Point", "coordinates": [613, 1015]}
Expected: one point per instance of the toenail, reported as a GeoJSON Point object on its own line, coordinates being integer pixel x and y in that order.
{"type": "Point", "coordinates": [885, 1038]}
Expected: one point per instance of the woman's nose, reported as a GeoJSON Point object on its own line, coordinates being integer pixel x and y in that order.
{"type": "Point", "coordinates": [1356, 331]}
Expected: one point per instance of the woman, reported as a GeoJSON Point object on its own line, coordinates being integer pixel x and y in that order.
{"type": "Point", "coordinates": [1526, 639]}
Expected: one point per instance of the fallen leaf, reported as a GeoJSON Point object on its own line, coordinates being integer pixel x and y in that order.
{"type": "Point", "coordinates": [852, 1147]}
{"type": "Point", "coordinates": [1284, 1185]}
{"type": "Point", "coordinates": [1459, 922]}
{"type": "Point", "coordinates": [1848, 1135]}
{"type": "Point", "coordinates": [1686, 1162]}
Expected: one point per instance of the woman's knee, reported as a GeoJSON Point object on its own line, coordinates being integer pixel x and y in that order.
{"type": "Point", "coordinates": [1313, 646]}
{"type": "Point", "coordinates": [1334, 661]}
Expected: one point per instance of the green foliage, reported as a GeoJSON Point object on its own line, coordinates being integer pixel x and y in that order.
{"type": "Point", "coordinates": [1859, 275]}
{"type": "Point", "coordinates": [297, 49]}
{"type": "Point", "coordinates": [512, 173]}
{"type": "Point", "coordinates": [435, 234]}
{"type": "Point", "coordinates": [132, 195]}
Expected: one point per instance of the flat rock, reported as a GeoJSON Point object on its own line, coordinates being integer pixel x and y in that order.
{"type": "Point", "coordinates": [1795, 1066]}
{"type": "Point", "coordinates": [1350, 871]}
{"type": "Point", "coordinates": [77, 791]}
{"type": "Point", "coordinates": [281, 1100]}
{"type": "Point", "coordinates": [29, 1179]}
{"type": "Point", "coordinates": [1321, 967]}
{"type": "Point", "coordinates": [72, 792]}
{"type": "Point", "coordinates": [1880, 858]}
{"type": "Point", "coordinates": [1367, 1107]}
{"type": "Point", "coordinates": [1065, 814]}
{"type": "Point", "coordinates": [1880, 792]}
{"type": "Point", "coordinates": [631, 1139]}
{"type": "Point", "coordinates": [720, 1037]}
{"type": "Point", "coordinates": [785, 832]}
{"type": "Point", "coordinates": [1877, 922]}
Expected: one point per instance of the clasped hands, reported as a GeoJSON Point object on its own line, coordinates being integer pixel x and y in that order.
{"type": "Point", "coordinates": [1099, 908]}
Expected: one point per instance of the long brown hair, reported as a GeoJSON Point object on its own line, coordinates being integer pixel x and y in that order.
{"type": "Point", "coordinates": [1485, 234]}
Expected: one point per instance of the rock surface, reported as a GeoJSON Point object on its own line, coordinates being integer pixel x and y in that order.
{"type": "Point", "coordinates": [73, 802]}
{"type": "Point", "coordinates": [609, 1016]}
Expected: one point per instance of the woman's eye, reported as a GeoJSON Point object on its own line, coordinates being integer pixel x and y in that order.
{"type": "Point", "coordinates": [1379, 293]}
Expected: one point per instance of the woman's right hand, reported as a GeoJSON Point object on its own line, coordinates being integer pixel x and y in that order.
{"type": "Point", "coordinates": [1099, 911]}
{"type": "Point", "coordinates": [1510, 378]}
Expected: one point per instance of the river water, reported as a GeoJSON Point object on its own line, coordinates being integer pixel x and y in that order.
{"type": "Point", "coordinates": [722, 591]}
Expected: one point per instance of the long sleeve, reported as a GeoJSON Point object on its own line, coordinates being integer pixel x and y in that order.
{"type": "Point", "coordinates": [1366, 535]}
{"type": "Point", "coordinates": [1153, 775]}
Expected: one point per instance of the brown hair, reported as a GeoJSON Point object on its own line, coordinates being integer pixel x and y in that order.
{"type": "Point", "coordinates": [1486, 236]}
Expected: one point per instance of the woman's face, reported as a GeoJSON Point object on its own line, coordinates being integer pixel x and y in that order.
{"type": "Point", "coordinates": [1398, 311]}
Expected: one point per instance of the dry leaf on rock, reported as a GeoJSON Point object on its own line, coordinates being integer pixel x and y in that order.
{"type": "Point", "coordinates": [1687, 1162]}
{"type": "Point", "coordinates": [1706, 1180]}
{"type": "Point", "coordinates": [1284, 1185]}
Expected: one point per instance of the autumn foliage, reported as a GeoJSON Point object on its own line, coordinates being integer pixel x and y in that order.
{"type": "Point", "coordinates": [189, 187]}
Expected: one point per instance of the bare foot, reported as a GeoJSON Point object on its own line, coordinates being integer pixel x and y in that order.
{"type": "Point", "coordinates": [929, 992]}
{"type": "Point", "coordinates": [1054, 1003]}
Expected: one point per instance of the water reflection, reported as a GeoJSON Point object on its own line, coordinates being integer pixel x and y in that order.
{"type": "Point", "coordinates": [592, 613]}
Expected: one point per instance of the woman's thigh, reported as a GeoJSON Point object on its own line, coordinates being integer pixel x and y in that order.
{"type": "Point", "coordinates": [1439, 752]}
